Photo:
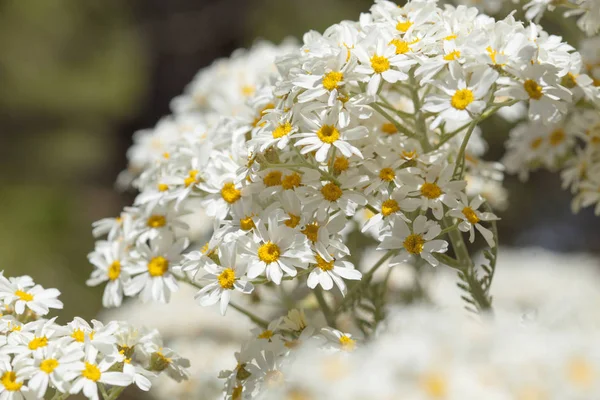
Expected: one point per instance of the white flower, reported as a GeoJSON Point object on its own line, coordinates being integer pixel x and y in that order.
{"type": "Point", "coordinates": [418, 240]}
{"type": "Point", "coordinates": [224, 278]}
{"type": "Point", "coordinates": [108, 258]}
{"type": "Point", "coordinates": [333, 196]}
{"type": "Point", "coordinates": [437, 188]}
{"type": "Point", "coordinates": [23, 293]}
{"type": "Point", "coordinates": [338, 340]}
{"type": "Point", "coordinates": [329, 270]}
{"type": "Point", "coordinates": [470, 215]}
{"type": "Point", "coordinates": [389, 206]}
{"type": "Point", "coordinates": [275, 249]}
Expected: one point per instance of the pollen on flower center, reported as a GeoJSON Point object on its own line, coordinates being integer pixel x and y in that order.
{"type": "Point", "coordinates": [266, 334]}
{"type": "Point", "coordinates": [461, 99]}
{"type": "Point", "coordinates": [324, 265]}
{"type": "Point", "coordinates": [162, 187]}
{"type": "Point", "coordinates": [91, 372]}
{"type": "Point", "coordinates": [401, 46]}
{"type": "Point", "coordinates": [340, 164]}
{"type": "Point", "coordinates": [403, 26]}
{"type": "Point", "coordinates": [580, 372]}
{"type": "Point", "coordinates": [470, 215]}
{"type": "Point", "coordinates": [9, 381]}
{"type": "Point", "coordinates": [156, 221]}
{"type": "Point", "coordinates": [331, 192]}
{"type": "Point", "coordinates": [328, 134]}
{"type": "Point", "coordinates": [23, 295]}
{"type": "Point", "coordinates": [78, 335]}
{"type": "Point", "coordinates": [347, 343]}
{"type": "Point", "coordinates": [291, 181]}
{"type": "Point", "coordinates": [533, 89]}
{"type": "Point", "coordinates": [389, 128]}
{"type": "Point", "coordinates": [380, 64]}
{"type": "Point", "coordinates": [557, 137]}
{"type": "Point", "coordinates": [389, 207]}
{"type": "Point", "coordinates": [332, 79]}
{"type": "Point", "coordinates": [247, 223]}
{"type": "Point", "coordinates": [293, 221]}
{"type": "Point", "coordinates": [387, 174]}
{"type": "Point", "coordinates": [311, 231]}
{"type": "Point", "coordinates": [431, 190]}
{"type": "Point", "coordinates": [38, 342]}
{"type": "Point", "coordinates": [158, 266]}
{"type": "Point", "coordinates": [453, 55]}
{"type": "Point", "coordinates": [114, 270]}
{"type": "Point", "coordinates": [435, 386]}
{"type": "Point", "coordinates": [269, 252]}
{"type": "Point", "coordinates": [282, 130]}
{"type": "Point", "coordinates": [191, 179]}
{"type": "Point", "coordinates": [227, 278]}
{"type": "Point", "coordinates": [273, 178]}
{"type": "Point", "coordinates": [535, 143]}
{"type": "Point", "coordinates": [49, 365]}
{"type": "Point", "coordinates": [229, 193]}
{"type": "Point", "coordinates": [414, 243]}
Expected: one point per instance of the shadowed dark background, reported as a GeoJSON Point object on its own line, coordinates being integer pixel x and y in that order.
{"type": "Point", "coordinates": [77, 78]}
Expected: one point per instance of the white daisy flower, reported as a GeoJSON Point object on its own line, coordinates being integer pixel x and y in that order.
{"type": "Point", "coordinates": [224, 277]}
{"type": "Point", "coordinates": [108, 258]}
{"type": "Point", "coordinates": [329, 270]}
{"type": "Point", "coordinates": [338, 340]}
{"type": "Point", "coordinates": [470, 215]}
{"type": "Point", "coordinates": [437, 188]}
{"type": "Point", "coordinates": [12, 382]}
{"type": "Point", "coordinates": [390, 205]}
{"type": "Point", "coordinates": [22, 293]}
{"type": "Point", "coordinates": [332, 196]}
{"type": "Point", "coordinates": [417, 240]}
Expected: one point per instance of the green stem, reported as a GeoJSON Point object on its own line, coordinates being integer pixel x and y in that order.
{"type": "Point", "coordinates": [327, 312]}
{"type": "Point", "coordinates": [421, 124]}
{"type": "Point", "coordinates": [391, 119]}
{"type": "Point", "coordinates": [115, 392]}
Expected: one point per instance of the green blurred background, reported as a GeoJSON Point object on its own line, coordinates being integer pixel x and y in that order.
{"type": "Point", "coordinates": [77, 78]}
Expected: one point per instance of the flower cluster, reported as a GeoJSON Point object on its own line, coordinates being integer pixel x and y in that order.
{"type": "Point", "coordinates": [40, 356]}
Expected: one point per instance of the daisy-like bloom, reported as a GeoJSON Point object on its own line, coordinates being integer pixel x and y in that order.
{"type": "Point", "coordinates": [464, 95]}
{"type": "Point", "coordinates": [108, 258]}
{"type": "Point", "coordinates": [96, 370]}
{"type": "Point", "coordinates": [537, 84]}
{"type": "Point", "coordinates": [471, 217]}
{"type": "Point", "coordinates": [417, 240]}
{"type": "Point", "coordinates": [327, 132]}
{"type": "Point", "coordinates": [221, 186]}
{"type": "Point", "coordinates": [332, 196]}
{"type": "Point", "coordinates": [380, 62]}
{"type": "Point", "coordinates": [53, 366]}
{"type": "Point", "coordinates": [338, 340]}
{"type": "Point", "coordinates": [274, 249]}
{"type": "Point", "coordinates": [98, 335]}
{"type": "Point", "coordinates": [224, 278]}
{"type": "Point", "coordinates": [24, 294]}
{"type": "Point", "coordinates": [33, 338]}
{"type": "Point", "coordinates": [391, 205]}
{"type": "Point", "coordinates": [154, 219]}
{"type": "Point", "coordinates": [152, 275]}
{"type": "Point", "coordinates": [12, 383]}
{"type": "Point", "coordinates": [164, 359]}
{"type": "Point", "coordinates": [437, 188]}
{"type": "Point", "coordinates": [384, 172]}
{"type": "Point", "coordinates": [329, 270]}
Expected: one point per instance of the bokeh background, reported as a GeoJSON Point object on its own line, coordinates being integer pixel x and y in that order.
{"type": "Point", "coordinates": [77, 78]}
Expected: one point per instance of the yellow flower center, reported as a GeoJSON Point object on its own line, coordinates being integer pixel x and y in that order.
{"type": "Point", "coordinates": [389, 128]}
{"type": "Point", "coordinates": [156, 221]}
{"type": "Point", "coordinates": [273, 178]}
{"type": "Point", "coordinates": [38, 342]}
{"type": "Point", "coordinates": [266, 334]}
{"type": "Point", "coordinates": [533, 89]}
{"type": "Point", "coordinates": [9, 381]}
{"type": "Point", "coordinates": [229, 193]}
{"type": "Point", "coordinates": [403, 26]}
{"type": "Point", "coordinates": [453, 55]}
{"type": "Point", "coordinates": [408, 155]}
{"type": "Point", "coordinates": [163, 187]}
{"type": "Point", "coordinates": [23, 295]}
{"type": "Point", "coordinates": [91, 372]}
{"type": "Point", "coordinates": [247, 223]}
{"type": "Point", "coordinates": [158, 266]}
{"type": "Point", "coordinates": [324, 265]}
{"type": "Point", "coordinates": [535, 143]}
{"type": "Point", "coordinates": [227, 278]}
{"type": "Point", "coordinates": [49, 365]}
{"type": "Point", "coordinates": [293, 221]}
{"type": "Point", "coordinates": [291, 181]}
{"type": "Point", "coordinates": [331, 80]}
{"type": "Point", "coordinates": [380, 64]}
{"type": "Point", "coordinates": [269, 252]}
{"type": "Point", "coordinates": [414, 243]}
{"type": "Point", "coordinates": [470, 215]}
{"type": "Point", "coordinates": [435, 386]}
{"type": "Point", "coordinates": [401, 46]}
{"type": "Point", "coordinates": [569, 81]}
{"type": "Point", "coordinates": [387, 174]}
{"type": "Point", "coordinates": [282, 130]}
{"type": "Point", "coordinates": [492, 53]}
{"type": "Point", "coordinates": [311, 231]}
{"type": "Point", "coordinates": [580, 372]}
{"type": "Point", "coordinates": [557, 137]}
{"type": "Point", "coordinates": [431, 190]}
{"type": "Point", "coordinates": [347, 343]}
{"type": "Point", "coordinates": [461, 99]}
{"type": "Point", "coordinates": [274, 378]}
{"type": "Point", "coordinates": [328, 134]}
{"type": "Point", "coordinates": [114, 270]}
{"type": "Point", "coordinates": [248, 90]}
{"type": "Point", "coordinates": [78, 335]}
{"type": "Point", "coordinates": [331, 191]}
{"type": "Point", "coordinates": [451, 37]}
{"type": "Point", "coordinates": [191, 179]}
{"type": "Point", "coordinates": [340, 164]}
{"type": "Point", "coordinates": [389, 207]}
